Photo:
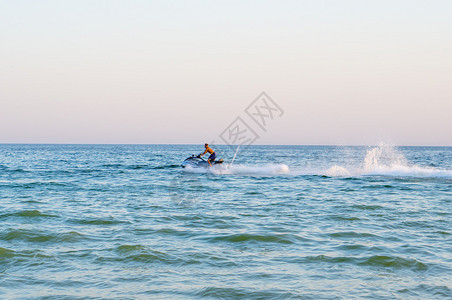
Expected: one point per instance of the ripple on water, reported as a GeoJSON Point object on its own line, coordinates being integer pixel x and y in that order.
{"type": "Point", "coordinates": [436, 290]}
{"type": "Point", "coordinates": [257, 238]}
{"type": "Point", "coordinates": [96, 221]}
{"type": "Point", "coordinates": [351, 235]}
{"type": "Point", "coordinates": [242, 293]}
{"type": "Point", "coordinates": [223, 292]}
{"type": "Point", "coordinates": [6, 253]}
{"type": "Point", "coordinates": [344, 218]}
{"type": "Point", "coordinates": [39, 236]}
{"type": "Point", "coordinates": [144, 254]}
{"type": "Point", "coordinates": [37, 185]}
{"type": "Point", "coordinates": [27, 214]}
{"type": "Point", "coordinates": [367, 207]}
{"type": "Point", "coordinates": [22, 259]}
{"type": "Point", "coordinates": [392, 262]}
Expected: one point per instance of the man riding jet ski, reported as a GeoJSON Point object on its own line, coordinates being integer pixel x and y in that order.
{"type": "Point", "coordinates": [198, 161]}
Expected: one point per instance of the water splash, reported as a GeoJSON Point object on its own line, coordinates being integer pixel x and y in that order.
{"type": "Point", "coordinates": [383, 157]}
{"type": "Point", "coordinates": [386, 160]}
{"type": "Point", "coordinates": [337, 171]}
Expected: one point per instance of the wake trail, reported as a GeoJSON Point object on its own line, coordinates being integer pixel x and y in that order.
{"type": "Point", "coordinates": [383, 160]}
{"type": "Point", "coordinates": [239, 169]}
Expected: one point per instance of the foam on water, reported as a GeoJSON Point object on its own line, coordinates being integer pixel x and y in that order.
{"type": "Point", "coordinates": [239, 169]}
{"type": "Point", "coordinates": [337, 171]}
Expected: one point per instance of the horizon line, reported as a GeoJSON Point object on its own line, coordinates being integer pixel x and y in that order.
{"type": "Point", "coordinates": [312, 145]}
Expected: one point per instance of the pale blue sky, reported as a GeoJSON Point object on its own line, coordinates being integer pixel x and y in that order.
{"type": "Point", "coordinates": [344, 72]}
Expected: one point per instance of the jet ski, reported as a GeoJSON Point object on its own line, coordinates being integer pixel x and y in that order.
{"type": "Point", "coordinates": [198, 162]}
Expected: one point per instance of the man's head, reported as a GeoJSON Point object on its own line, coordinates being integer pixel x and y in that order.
{"type": "Point", "coordinates": [206, 145]}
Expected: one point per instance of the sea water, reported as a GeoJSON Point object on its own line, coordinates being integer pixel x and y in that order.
{"type": "Point", "coordinates": [307, 222]}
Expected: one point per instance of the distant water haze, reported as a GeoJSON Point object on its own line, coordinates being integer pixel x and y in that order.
{"type": "Point", "coordinates": [346, 73]}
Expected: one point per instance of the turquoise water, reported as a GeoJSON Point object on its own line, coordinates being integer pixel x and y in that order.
{"type": "Point", "coordinates": [307, 222]}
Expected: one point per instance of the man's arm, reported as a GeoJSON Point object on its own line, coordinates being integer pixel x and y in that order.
{"type": "Point", "coordinates": [203, 153]}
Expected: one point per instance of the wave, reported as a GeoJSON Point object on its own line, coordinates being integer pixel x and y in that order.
{"type": "Point", "coordinates": [138, 166]}
{"type": "Point", "coordinates": [247, 237]}
{"type": "Point", "coordinates": [165, 167]}
{"type": "Point", "coordinates": [27, 214]}
{"type": "Point", "coordinates": [34, 184]}
{"type": "Point", "coordinates": [18, 170]}
{"type": "Point", "coordinates": [37, 236]}
{"type": "Point", "coordinates": [98, 221]}
{"type": "Point", "coordinates": [143, 254]}
{"type": "Point", "coordinates": [386, 160]}
{"type": "Point", "coordinates": [383, 261]}
{"type": "Point", "coordinates": [222, 292]}
{"type": "Point", "coordinates": [6, 253]}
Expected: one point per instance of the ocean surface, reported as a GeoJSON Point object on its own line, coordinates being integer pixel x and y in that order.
{"type": "Point", "coordinates": [282, 222]}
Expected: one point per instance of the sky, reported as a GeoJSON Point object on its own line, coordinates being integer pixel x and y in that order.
{"type": "Point", "coordinates": [342, 72]}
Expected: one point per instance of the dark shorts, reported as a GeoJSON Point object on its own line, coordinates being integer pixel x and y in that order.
{"type": "Point", "coordinates": [212, 156]}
